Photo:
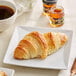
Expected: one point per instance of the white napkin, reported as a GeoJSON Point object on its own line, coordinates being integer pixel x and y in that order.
{"type": "Point", "coordinates": [35, 14]}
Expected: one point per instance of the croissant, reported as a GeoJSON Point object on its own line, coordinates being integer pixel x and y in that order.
{"type": "Point", "coordinates": [2, 73]}
{"type": "Point", "coordinates": [37, 45]}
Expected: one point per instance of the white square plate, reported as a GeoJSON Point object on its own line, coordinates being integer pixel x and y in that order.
{"type": "Point", "coordinates": [58, 60]}
{"type": "Point", "coordinates": [9, 72]}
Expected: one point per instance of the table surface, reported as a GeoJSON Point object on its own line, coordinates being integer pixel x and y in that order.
{"type": "Point", "coordinates": [21, 20]}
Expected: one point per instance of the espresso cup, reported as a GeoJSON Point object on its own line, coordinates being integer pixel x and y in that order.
{"type": "Point", "coordinates": [6, 20]}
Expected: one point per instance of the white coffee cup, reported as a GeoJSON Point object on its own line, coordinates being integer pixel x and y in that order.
{"type": "Point", "coordinates": [7, 22]}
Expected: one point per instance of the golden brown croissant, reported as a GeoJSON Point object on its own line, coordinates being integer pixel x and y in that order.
{"type": "Point", "coordinates": [37, 45]}
{"type": "Point", "coordinates": [55, 41]}
{"type": "Point", "coordinates": [2, 73]}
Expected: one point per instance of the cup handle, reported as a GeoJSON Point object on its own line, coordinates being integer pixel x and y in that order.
{"type": "Point", "coordinates": [20, 9]}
